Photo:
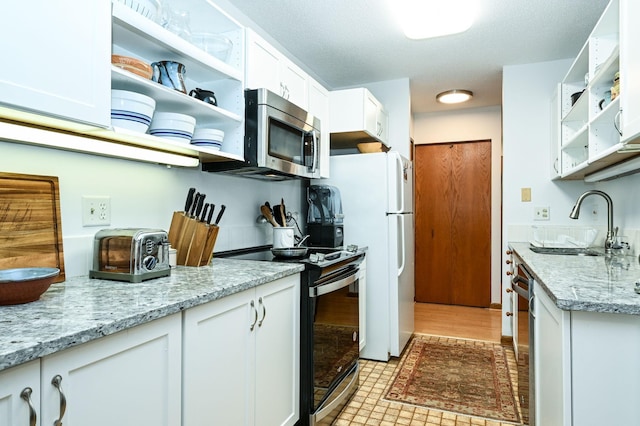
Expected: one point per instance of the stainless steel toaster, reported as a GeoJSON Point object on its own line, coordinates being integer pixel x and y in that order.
{"type": "Point", "coordinates": [130, 254]}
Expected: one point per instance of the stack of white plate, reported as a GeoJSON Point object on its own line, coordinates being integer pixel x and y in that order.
{"type": "Point", "coordinates": [131, 110]}
{"type": "Point", "coordinates": [174, 126]}
{"type": "Point", "coordinates": [211, 138]}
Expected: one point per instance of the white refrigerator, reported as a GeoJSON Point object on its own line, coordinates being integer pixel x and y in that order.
{"type": "Point", "coordinates": [377, 201]}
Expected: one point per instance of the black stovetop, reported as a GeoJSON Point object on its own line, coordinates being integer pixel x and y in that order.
{"type": "Point", "coordinates": [316, 257]}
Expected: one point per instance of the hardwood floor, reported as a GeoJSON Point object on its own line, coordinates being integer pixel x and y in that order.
{"type": "Point", "coordinates": [458, 321]}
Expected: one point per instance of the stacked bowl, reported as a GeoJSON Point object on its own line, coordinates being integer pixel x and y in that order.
{"type": "Point", "coordinates": [131, 110]}
{"type": "Point", "coordinates": [147, 8]}
{"type": "Point", "coordinates": [174, 126]}
{"type": "Point", "coordinates": [211, 138]}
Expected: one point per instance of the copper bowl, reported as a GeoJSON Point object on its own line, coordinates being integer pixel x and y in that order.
{"type": "Point", "coordinates": [22, 285]}
{"type": "Point", "coordinates": [133, 65]}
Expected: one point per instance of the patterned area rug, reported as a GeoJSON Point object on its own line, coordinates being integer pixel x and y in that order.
{"type": "Point", "coordinates": [461, 376]}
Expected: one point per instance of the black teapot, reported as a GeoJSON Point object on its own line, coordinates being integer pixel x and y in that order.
{"type": "Point", "coordinates": [204, 95]}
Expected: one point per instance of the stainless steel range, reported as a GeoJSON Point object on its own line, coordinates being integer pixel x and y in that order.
{"type": "Point", "coordinates": [332, 286]}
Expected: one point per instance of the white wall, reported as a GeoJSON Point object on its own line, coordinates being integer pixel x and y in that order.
{"type": "Point", "coordinates": [469, 125]}
{"type": "Point", "coordinates": [146, 195]}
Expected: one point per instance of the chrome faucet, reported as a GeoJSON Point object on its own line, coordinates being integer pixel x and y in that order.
{"type": "Point", "coordinates": [575, 212]}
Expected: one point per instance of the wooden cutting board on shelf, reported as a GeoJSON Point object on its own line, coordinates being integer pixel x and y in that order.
{"type": "Point", "coordinates": [30, 224]}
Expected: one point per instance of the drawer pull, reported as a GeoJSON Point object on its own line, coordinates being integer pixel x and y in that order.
{"type": "Point", "coordinates": [26, 395]}
{"type": "Point", "coordinates": [57, 383]}
{"type": "Point", "coordinates": [264, 312]}
{"type": "Point", "coordinates": [255, 319]}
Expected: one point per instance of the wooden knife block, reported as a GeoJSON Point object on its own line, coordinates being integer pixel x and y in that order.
{"type": "Point", "coordinates": [193, 240]}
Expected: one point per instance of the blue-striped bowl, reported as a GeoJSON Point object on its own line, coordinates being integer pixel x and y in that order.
{"type": "Point", "coordinates": [171, 125]}
{"type": "Point", "coordinates": [131, 110]}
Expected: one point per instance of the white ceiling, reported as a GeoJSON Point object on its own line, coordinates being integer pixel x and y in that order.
{"type": "Point", "coordinates": [352, 42]}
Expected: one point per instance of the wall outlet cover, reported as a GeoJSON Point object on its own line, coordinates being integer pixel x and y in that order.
{"type": "Point", "coordinates": [96, 210]}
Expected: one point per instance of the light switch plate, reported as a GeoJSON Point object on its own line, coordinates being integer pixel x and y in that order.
{"type": "Point", "coordinates": [525, 194]}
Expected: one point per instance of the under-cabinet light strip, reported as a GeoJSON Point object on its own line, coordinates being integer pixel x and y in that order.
{"type": "Point", "coordinates": [32, 135]}
{"type": "Point", "coordinates": [620, 169]}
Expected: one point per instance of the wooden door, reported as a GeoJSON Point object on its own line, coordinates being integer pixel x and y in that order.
{"type": "Point", "coordinates": [453, 223]}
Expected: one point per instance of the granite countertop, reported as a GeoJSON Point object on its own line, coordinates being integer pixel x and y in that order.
{"type": "Point", "coordinates": [585, 283]}
{"type": "Point", "coordinates": [83, 309]}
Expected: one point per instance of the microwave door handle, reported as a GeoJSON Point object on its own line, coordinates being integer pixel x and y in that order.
{"type": "Point", "coordinates": [315, 153]}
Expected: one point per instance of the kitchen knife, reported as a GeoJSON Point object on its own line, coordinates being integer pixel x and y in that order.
{"type": "Point", "coordinates": [213, 207]}
{"type": "Point", "coordinates": [204, 212]}
{"type": "Point", "coordinates": [193, 204]}
{"type": "Point", "coordinates": [189, 202]}
{"type": "Point", "coordinates": [199, 204]}
{"type": "Point", "coordinates": [222, 209]}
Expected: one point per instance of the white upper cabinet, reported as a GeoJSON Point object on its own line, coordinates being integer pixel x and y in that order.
{"type": "Point", "coordinates": [630, 70]}
{"type": "Point", "coordinates": [356, 116]}
{"type": "Point", "coordinates": [268, 68]}
{"type": "Point", "coordinates": [319, 107]}
{"type": "Point", "coordinates": [56, 59]}
{"type": "Point", "coordinates": [598, 125]}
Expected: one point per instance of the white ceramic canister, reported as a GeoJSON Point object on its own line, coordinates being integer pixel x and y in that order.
{"type": "Point", "coordinates": [283, 237]}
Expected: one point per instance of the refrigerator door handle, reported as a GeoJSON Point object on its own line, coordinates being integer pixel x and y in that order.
{"type": "Point", "coordinates": [401, 243]}
{"type": "Point", "coordinates": [400, 183]}
{"type": "Point", "coordinates": [395, 184]}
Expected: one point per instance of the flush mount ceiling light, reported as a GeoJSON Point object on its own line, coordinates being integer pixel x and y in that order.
{"type": "Point", "coordinates": [455, 96]}
{"type": "Point", "coordinates": [431, 18]}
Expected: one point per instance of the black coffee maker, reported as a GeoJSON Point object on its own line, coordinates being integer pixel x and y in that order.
{"type": "Point", "coordinates": [324, 219]}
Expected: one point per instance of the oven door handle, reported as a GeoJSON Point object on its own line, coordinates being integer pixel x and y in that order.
{"type": "Point", "coordinates": [521, 291]}
{"type": "Point", "coordinates": [333, 286]}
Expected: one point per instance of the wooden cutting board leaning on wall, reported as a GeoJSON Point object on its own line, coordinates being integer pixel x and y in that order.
{"type": "Point", "coordinates": [30, 224]}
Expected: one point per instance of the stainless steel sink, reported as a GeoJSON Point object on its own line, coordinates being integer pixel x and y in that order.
{"type": "Point", "coordinates": [570, 251]}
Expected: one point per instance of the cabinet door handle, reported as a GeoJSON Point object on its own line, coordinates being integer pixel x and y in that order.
{"type": "Point", "coordinates": [57, 383]}
{"type": "Point", "coordinates": [264, 312]}
{"type": "Point", "coordinates": [255, 318]}
{"type": "Point", "coordinates": [26, 395]}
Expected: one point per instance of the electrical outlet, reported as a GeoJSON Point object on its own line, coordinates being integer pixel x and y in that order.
{"type": "Point", "coordinates": [96, 210]}
{"type": "Point", "coordinates": [541, 213]}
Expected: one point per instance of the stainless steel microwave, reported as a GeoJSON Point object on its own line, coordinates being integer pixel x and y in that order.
{"type": "Point", "coordinates": [281, 140]}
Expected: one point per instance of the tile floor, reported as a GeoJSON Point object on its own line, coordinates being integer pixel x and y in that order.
{"type": "Point", "coordinates": [368, 408]}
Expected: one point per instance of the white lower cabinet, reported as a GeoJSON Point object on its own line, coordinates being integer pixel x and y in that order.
{"type": "Point", "coordinates": [552, 362]}
{"type": "Point", "coordinates": [605, 369]}
{"type": "Point", "coordinates": [130, 378]}
{"type": "Point", "coordinates": [587, 370]}
{"type": "Point", "coordinates": [241, 358]}
{"type": "Point", "coordinates": [19, 387]}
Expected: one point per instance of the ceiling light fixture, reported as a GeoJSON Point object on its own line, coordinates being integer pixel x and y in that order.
{"type": "Point", "coordinates": [454, 96]}
{"type": "Point", "coordinates": [421, 19]}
